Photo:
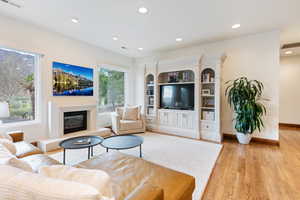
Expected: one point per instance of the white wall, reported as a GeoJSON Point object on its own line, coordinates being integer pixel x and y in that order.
{"type": "Point", "coordinates": [289, 108]}
{"type": "Point", "coordinates": [26, 37]}
{"type": "Point", "coordinates": [255, 56]}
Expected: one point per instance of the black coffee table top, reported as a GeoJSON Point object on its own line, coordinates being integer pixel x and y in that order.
{"type": "Point", "coordinates": [70, 143]}
{"type": "Point", "coordinates": [120, 142]}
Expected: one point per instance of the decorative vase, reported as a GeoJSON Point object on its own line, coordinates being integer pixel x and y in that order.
{"type": "Point", "coordinates": [243, 138]}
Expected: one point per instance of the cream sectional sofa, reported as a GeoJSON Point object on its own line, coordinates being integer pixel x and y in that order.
{"type": "Point", "coordinates": [131, 178]}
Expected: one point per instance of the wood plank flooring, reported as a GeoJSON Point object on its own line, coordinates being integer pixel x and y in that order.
{"type": "Point", "coordinates": [258, 171]}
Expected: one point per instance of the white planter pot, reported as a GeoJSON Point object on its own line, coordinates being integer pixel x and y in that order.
{"type": "Point", "coordinates": [244, 138]}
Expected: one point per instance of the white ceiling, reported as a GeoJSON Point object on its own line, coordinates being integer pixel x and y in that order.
{"type": "Point", "coordinates": [196, 21]}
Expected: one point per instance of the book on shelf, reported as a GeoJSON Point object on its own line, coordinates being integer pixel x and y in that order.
{"type": "Point", "coordinates": [208, 115]}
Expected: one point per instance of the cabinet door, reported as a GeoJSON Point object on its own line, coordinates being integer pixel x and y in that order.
{"type": "Point", "coordinates": [185, 120]}
{"type": "Point", "coordinates": [163, 118]}
{"type": "Point", "coordinates": [173, 119]}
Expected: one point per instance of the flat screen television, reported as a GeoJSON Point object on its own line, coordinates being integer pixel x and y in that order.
{"type": "Point", "coordinates": [179, 96]}
{"type": "Point", "coordinates": [71, 80]}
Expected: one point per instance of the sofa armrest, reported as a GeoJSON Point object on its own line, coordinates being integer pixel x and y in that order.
{"type": "Point", "coordinates": [146, 192]}
{"type": "Point", "coordinates": [115, 120]}
{"type": "Point", "coordinates": [17, 136]}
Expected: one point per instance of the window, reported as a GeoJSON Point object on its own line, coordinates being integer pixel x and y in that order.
{"type": "Point", "coordinates": [111, 89]}
{"type": "Point", "coordinates": [17, 86]}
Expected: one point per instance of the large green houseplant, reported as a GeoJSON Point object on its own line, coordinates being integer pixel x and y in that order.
{"type": "Point", "coordinates": [244, 97]}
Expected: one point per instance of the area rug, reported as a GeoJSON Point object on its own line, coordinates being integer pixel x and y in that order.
{"type": "Point", "coordinates": [193, 157]}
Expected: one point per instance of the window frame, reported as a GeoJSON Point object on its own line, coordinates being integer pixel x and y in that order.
{"type": "Point", "coordinates": [126, 82]}
{"type": "Point", "coordinates": [37, 86]}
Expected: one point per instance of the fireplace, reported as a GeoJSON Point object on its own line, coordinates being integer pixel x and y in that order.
{"type": "Point", "coordinates": [75, 121]}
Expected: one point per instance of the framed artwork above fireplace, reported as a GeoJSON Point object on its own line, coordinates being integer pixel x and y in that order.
{"type": "Point", "coordinates": [71, 80]}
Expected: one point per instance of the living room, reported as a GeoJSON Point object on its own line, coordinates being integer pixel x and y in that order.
{"type": "Point", "coordinates": [153, 94]}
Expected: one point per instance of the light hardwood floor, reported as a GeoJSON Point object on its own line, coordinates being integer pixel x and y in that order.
{"type": "Point", "coordinates": [258, 171]}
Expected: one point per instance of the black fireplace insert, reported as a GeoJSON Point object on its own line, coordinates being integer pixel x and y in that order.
{"type": "Point", "coordinates": [75, 121]}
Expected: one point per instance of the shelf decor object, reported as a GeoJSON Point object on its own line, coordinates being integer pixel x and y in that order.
{"type": "Point", "coordinates": [205, 91]}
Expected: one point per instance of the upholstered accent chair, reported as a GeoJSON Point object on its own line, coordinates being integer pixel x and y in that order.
{"type": "Point", "coordinates": [127, 120]}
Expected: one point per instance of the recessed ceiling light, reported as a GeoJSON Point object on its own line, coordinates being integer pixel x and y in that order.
{"type": "Point", "coordinates": [288, 52]}
{"type": "Point", "coordinates": [236, 26]}
{"type": "Point", "coordinates": [143, 10]}
{"type": "Point", "coordinates": [75, 20]}
{"type": "Point", "coordinates": [179, 39]}
{"type": "Point", "coordinates": [115, 38]}
{"type": "Point", "coordinates": [141, 48]}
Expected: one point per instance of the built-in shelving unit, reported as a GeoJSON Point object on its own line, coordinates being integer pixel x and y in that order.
{"type": "Point", "coordinates": [208, 95]}
{"type": "Point", "coordinates": [210, 81]}
{"type": "Point", "coordinates": [150, 95]}
{"type": "Point", "coordinates": [202, 122]}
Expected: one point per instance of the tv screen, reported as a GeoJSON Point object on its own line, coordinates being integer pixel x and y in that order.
{"type": "Point", "coordinates": [177, 96]}
{"type": "Point", "coordinates": [71, 80]}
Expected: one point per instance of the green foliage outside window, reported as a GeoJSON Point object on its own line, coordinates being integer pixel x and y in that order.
{"type": "Point", "coordinates": [17, 85]}
{"type": "Point", "coordinates": [111, 89]}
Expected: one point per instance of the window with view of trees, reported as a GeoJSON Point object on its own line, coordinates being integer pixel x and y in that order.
{"type": "Point", "coordinates": [111, 89]}
{"type": "Point", "coordinates": [17, 88]}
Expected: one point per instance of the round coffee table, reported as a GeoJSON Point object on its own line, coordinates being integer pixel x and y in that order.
{"type": "Point", "coordinates": [122, 142]}
{"type": "Point", "coordinates": [80, 142]}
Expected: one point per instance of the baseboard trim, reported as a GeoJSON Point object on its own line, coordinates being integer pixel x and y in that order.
{"type": "Point", "coordinates": [169, 134]}
{"type": "Point", "coordinates": [286, 125]}
{"type": "Point", "coordinates": [254, 139]}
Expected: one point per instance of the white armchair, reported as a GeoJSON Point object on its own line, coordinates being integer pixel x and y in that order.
{"type": "Point", "coordinates": [125, 125]}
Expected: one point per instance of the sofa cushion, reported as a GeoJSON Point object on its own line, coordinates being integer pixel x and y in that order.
{"type": "Point", "coordinates": [16, 184]}
{"type": "Point", "coordinates": [129, 172]}
{"type": "Point", "coordinates": [131, 113]}
{"type": "Point", "coordinates": [9, 145]}
{"type": "Point", "coordinates": [146, 191]}
{"type": "Point", "coordinates": [7, 172]}
{"type": "Point", "coordinates": [6, 158]}
{"type": "Point", "coordinates": [39, 160]}
{"type": "Point", "coordinates": [95, 178]}
{"type": "Point", "coordinates": [4, 135]}
{"type": "Point", "coordinates": [20, 164]}
{"type": "Point", "coordinates": [130, 124]}
{"type": "Point", "coordinates": [5, 155]}
{"type": "Point", "coordinates": [26, 149]}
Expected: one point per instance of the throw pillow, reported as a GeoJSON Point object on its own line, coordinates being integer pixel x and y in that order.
{"type": "Point", "coordinates": [20, 164]}
{"type": "Point", "coordinates": [120, 111]}
{"type": "Point", "coordinates": [10, 146]}
{"type": "Point", "coordinates": [4, 135]}
{"type": "Point", "coordinates": [96, 178]}
{"type": "Point", "coordinates": [7, 158]}
{"type": "Point", "coordinates": [27, 186]}
{"type": "Point", "coordinates": [131, 113]}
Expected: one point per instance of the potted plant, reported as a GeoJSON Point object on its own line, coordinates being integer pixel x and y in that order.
{"type": "Point", "coordinates": [244, 97]}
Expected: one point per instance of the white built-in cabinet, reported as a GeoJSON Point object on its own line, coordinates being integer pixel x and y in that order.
{"type": "Point", "coordinates": [203, 122]}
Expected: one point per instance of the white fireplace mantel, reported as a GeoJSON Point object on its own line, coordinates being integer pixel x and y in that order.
{"type": "Point", "coordinates": [56, 117]}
